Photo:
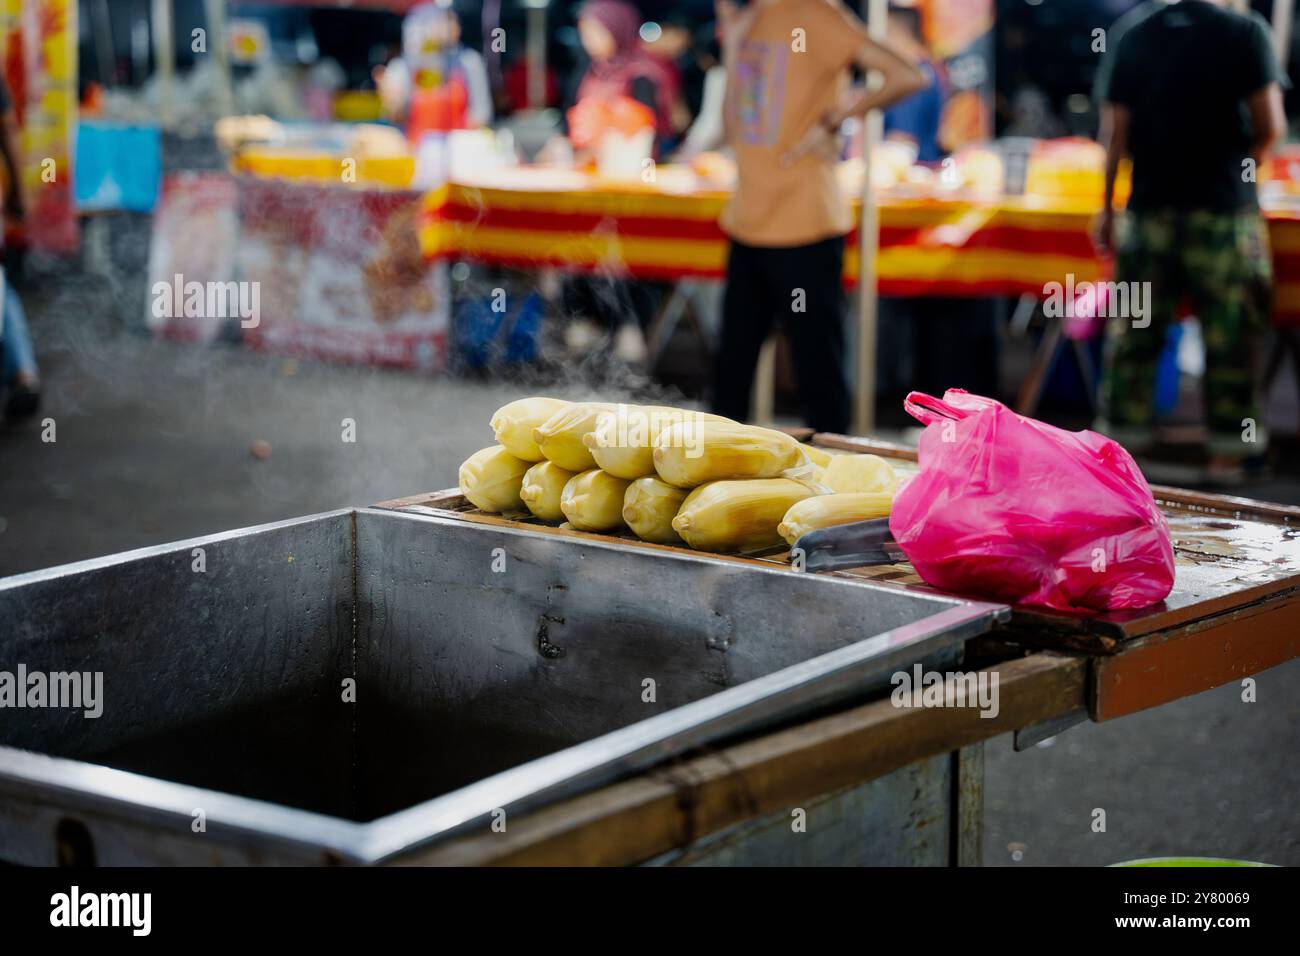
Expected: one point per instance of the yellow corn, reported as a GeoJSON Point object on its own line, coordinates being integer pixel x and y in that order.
{"type": "Point", "coordinates": [491, 478]}
{"type": "Point", "coordinates": [541, 490]}
{"type": "Point", "coordinates": [859, 473]}
{"type": "Point", "coordinates": [691, 453]}
{"type": "Point", "coordinates": [560, 437]}
{"type": "Point", "coordinates": [593, 501]}
{"type": "Point", "coordinates": [649, 507]}
{"type": "Point", "coordinates": [817, 456]}
{"type": "Point", "coordinates": [622, 443]}
{"type": "Point", "coordinates": [513, 424]}
{"type": "Point", "coordinates": [824, 511]}
{"type": "Point", "coordinates": [737, 515]}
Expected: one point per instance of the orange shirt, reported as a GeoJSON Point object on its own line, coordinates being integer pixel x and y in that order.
{"type": "Point", "coordinates": [790, 67]}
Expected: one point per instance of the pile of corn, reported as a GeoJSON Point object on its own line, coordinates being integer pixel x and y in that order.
{"type": "Point", "coordinates": [668, 475]}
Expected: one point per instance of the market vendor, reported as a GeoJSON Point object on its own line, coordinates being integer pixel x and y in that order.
{"type": "Point", "coordinates": [787, 218]}
{"type": "Point", "coordinates": [627, 90]}
{"type": "Point", "coordinates": [437, 84]}
{"type": "Point", "coordinates": [1192, 92]}
{"type": "Point", "coordinates": [19, 377]}
{"type": "Point", "coordinates": [625, 86]}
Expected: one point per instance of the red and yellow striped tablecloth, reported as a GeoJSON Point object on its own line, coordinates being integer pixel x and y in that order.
{"type": "Point", "coordinates": [927, 246]}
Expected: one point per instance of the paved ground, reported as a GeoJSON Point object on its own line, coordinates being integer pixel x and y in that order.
{"type": "Point", "coordinates": [153, 444]}
{"type": "Point", "coordinates": [1205, 776]}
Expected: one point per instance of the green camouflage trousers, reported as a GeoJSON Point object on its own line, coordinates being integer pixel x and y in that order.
{"type": "Point", "coordinates": [1219, 264]}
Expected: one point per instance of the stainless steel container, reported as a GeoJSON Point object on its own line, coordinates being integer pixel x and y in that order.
{"type": "Point", "coordinates": [351, 686]}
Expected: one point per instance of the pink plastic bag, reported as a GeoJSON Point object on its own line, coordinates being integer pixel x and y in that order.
{"type": "Point", "coordinates": [1012, 509]}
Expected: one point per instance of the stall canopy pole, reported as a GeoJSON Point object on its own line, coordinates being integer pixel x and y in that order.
{"type": "Point", "coordinates": [164, 52]}
{"type": "Point", "coordinates": [1283, 13]}
{"type": "Point", "coordinates": [102, 36]}
{"type": "Point", "coordinates": [864, 410]}
{"type": "Point", "coordinates": [535, 52]}
{"type": "Point", "coordinates": [219, 50]}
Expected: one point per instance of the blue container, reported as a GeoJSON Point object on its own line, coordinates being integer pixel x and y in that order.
{"type": "Point", "coordinates": [117, 167]}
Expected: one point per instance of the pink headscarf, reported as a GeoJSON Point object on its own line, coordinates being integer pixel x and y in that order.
{"type": "Point", "coordinates": [614, 77]}
{"type": "Point", "coordinates": [620, 18]}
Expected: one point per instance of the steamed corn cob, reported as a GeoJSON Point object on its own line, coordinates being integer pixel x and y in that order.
{"type": "Point", "coordinates": [824, 511]}
{"type": "Point", "coordinates": [542, 486]}
{"type": "Point", "coordinates": [691, 453]}
{"type": "Point", "coordinates": [737, 515]}
{"type": "Point", "coordinates": [649, 507]}
{"type": "Point", "coordinates": [491, 477]}
{"type": "Point", "coordinates": [859, 473]}
{"type": "Point", "coordinates": [513, 424]}
{"type": "Point", "coordinates": [622, 443]}
{"type": "Point", "coordinates": [560, 437]}
{"type": "Point", "coordinates": [593, 501]}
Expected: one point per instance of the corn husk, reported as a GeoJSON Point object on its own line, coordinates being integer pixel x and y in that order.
{"type": "Point", "coordinates": [825, 511]}
{"type": "Point", "coordinates": [513, 424]}
{"type": "Point", "coordinates": [692, 453]}
{"type": "Point", "coordinates": [649, 506]}
{"type": "Point", "coordinates": [541, 490]}
{"type": "Point", "coordinates": [491, 477]}
{"type": "Point", "coordinates": [560, 437]}
{"type": "Point", "coordinates": [622, 443]}
{"type": "Point", "coordinates": [593, 501]}
{"type": "Point", "coordinates": [737, 515]}
{"type": "Point", "coordinates": [859, 473]}
{"type": "Point", "coordinates": [819, 457]}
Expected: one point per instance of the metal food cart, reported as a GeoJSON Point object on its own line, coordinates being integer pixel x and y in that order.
{"type": "Point", "coordinates": [422, 683]}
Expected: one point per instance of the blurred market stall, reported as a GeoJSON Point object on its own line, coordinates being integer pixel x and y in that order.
{"type": "Point", "coordinates": [38, 41]}
{"type": "Point", "coordinates": [993, 218]}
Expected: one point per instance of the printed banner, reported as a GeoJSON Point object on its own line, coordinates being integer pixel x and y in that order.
{"type": "Point", "coordinates": [960, 36]}
{"type": "Point", "coordinates": [40, 68]}
{"type": "Point", "coordinates": [341, 275]}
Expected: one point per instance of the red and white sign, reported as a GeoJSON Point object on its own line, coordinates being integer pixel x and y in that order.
{"type": "Point", "coordinates": [341, 276]}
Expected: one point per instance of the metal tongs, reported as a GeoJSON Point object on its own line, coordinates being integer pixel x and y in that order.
{"type": "Point", "coordinates": [857, 545]}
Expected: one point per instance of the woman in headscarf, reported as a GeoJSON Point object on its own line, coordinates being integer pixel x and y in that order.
{"type": "Point", "coordinates": [627, 88]}
{"type": "Point", "coordinates": [621, 69]}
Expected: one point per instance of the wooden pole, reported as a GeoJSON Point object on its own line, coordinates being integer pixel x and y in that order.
{"type": "Point", "coordinates": [164, 52]}
{"type": "Point", "coordinates": [762, 402]}
{"type": "Point", "coordinates": [864, 380]}
{"type": "Point", "coordinates": [535, 52]}
{"type": "Point", "coordinates": [219, 50]}
{"type": "Point", "coordinates": [102, 36]}
{"type": "Point", "coordinates": [1283, 18]}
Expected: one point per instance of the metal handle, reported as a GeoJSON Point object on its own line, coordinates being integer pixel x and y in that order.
{"type": "Point", "coordinates": [858, 545]}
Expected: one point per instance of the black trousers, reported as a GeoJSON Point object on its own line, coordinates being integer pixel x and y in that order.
{"type": "Point", "coordinates": [801, 287]}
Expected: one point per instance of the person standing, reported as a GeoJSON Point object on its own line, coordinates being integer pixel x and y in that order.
{"type": "Point", "coordinates": [788, 93]}
{"type": "Point", "coordinates": [915, 118]}
{"type": "Point", "coordinates": [620, 68]}
{"type": "Point", "coordinates": [19, 376]}
{"type": "Point", "coordinates": [438, 84]}
{"type": "Point", "coordinates": [622, 84]}
{"type": "Point", "coordinates": [1192, 92]}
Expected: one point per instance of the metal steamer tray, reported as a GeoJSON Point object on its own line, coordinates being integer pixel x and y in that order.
{"type": "Point", "coordinates": [350, 687]}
